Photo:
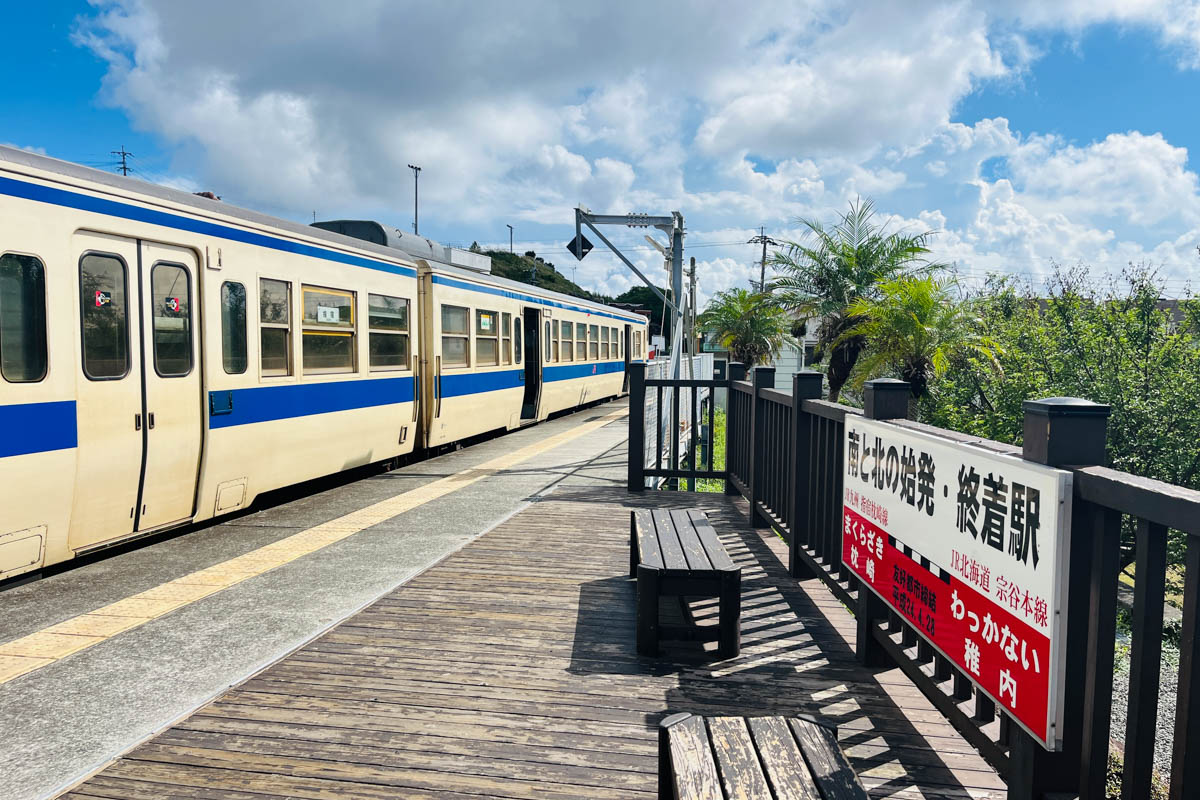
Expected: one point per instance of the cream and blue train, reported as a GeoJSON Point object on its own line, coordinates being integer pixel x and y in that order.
{"type": "Point", "coordinates": [166, 358]}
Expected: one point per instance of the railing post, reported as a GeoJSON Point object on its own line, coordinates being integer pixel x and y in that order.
{"type": "Point", "coordinates": [761, 378]}
{"type": "Point", "coordinates": [637, 427]}
{"type": "Point", "coordinates": [883, 398]}
{"type": "Point", "coordinates": [736, 371]}
{"type": "Point", "coordinates": [1060, 432]}
{"type": "Point", "coordinates": [805, 386]}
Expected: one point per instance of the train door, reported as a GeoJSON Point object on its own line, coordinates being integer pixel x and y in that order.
{"type": "Point", "coordinates": [139, 399]}
{"type": "Point", "coordinates": [109, 413]}
{"type": "Point", "coordinates": [173, 396]}
{"type": "Point", "coordinates": [626, 342]}
{"type": "Point", "coordinates": [533, 363]}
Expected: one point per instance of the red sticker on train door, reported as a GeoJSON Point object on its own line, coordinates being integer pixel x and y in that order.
{"type": "Point", "coordinates": [173, 304]}
{"type": "Point", "coordinates": [103, 298]}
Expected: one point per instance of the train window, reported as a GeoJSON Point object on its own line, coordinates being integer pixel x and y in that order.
{"type": "Point", "coordinates": [105, 316]}
{"type": "Point", "coordinates": [554, 340]}
{"type": "Point", "coordinates": [506, 338]}
{"type": "Point", "coordinates": [616, 343]}
{"type": "Point", "coordinates": [546, 338]}
{"type": "Point", "coordinates": [594, 343]}
{"type": "Point", "coordinates": [487, 331]}
{"type": "Point", "coordinates": [637, 344]}
{"type": "Point", "coordinates": [275, 331]}
{"type": "Point", "coordinates": [387, 337]}
{"type": "Point", "coordinates": [22, 318]}
{"type": "Point", "coordinates": [456, 333]}
{"type": "Point", "coordinates": [580, 342]}
{"type": "Point", "coordinates": [233, 327]}
{"type": "Point", "coordinates": [328, 336]}
{"type": "Point", "coordinates": [604, 343]}
{"type": "Point", "coordinates": [518, 337]}
{"type": "Point", "coordinates": [171, 301]}
{"type": "Point", "coordinates": [567, 336]}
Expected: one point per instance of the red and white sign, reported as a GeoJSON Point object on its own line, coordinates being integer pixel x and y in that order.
{"type": "Point", "coordinates": [993, 530]}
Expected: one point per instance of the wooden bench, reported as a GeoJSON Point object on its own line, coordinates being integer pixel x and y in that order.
{"type": "Point", "coordinates": [678, 553]}
{"type": "Point", "coordinates": [755, 758]}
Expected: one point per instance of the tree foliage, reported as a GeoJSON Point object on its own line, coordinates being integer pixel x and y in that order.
{"type": "Point", "coordinates": [915, 329]}
{"type": "Point", "coordinates": [1112, 342]}
{"type": "Point", "coordinates": [751, 325]}
{"type": "Point", "coordinates": [829, 269]}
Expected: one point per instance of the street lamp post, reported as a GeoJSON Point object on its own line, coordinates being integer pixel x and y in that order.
{"type": "Point", "coordinates": [509, 236]}
{"type": "Point", "coordinates": [416, 196]}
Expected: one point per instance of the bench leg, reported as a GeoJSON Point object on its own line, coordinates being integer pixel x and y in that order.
{"type": "Point", "coordinates": [666, 782]}
{"type": "Point", "coordinates": [633, 548]}
{"type": "Point", "coordinates": [647, 610]}
{"type": "Point", "coordinates": [731, 613]}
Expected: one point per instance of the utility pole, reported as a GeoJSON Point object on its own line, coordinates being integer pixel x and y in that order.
{"type": "Point", "coordinates": [764, 240]}
{"type": "Point", "coordinates": [509, 237]}
{"type": "Point", "coordinates": [691, 324]}
{"type": "Point", "coordinates": [124, 155]}
{"type": "Point", "coordinates": [416, 196]}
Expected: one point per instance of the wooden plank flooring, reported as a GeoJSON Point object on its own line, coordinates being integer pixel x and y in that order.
{"type": "Point", "coordinates": [508, 670]}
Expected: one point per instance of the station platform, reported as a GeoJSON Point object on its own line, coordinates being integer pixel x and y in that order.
{"type": "Point", "coordinates": [465, 630]}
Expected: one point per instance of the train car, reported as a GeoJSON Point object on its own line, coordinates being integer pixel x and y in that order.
{"type": "Point", "coordinates": [166, 358]}
{"type": "Point", "coordinates": [496, 350]}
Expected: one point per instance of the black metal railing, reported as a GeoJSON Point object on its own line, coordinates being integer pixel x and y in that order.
{"type": "Point", "coordinates": [784, 454]}
{"type": "Point", "coordinates": [683, 441]}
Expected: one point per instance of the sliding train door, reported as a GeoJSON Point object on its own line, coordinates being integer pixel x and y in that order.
{"type": "Point", "coordinates": [109, 416]}
{"type": "Point", "coordinates": [138, 400]}
{"type": "Point", "coordinates": [529, 323]}
{"type": "Point", "coordinates": [172, 378]}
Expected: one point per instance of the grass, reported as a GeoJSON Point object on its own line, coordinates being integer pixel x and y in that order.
{"type": "Point", "coordinates": [712, 484]}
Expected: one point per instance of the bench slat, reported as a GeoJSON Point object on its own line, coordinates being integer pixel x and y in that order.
{"type": "Point", "coordinates": [782, 760]}
{"type": "Point", "coordinates": [694, 771]}
{"type": "Point", "coordinates": [741, 774]}
{"type": "Point", "coordinates": [707, 534]}
{"type": "Point", "coordinates": [828, 763]}
{"type": "Point", "coordinates": [668, 542]}
{"type": "Point", "coordinates": [693, 550]}
{"type": "Point", "coordinates": [647, 538]}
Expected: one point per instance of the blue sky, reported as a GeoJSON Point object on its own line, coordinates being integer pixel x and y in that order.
{"type": "Point", "coordinates": [1025, 133]}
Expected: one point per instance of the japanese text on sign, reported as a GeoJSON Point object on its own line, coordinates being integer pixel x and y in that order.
{"type": "Point", "coordinates": [967, 545]}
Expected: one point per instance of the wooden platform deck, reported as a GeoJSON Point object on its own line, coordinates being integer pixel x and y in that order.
{"type": "Point", "coordinates": [509, 670]}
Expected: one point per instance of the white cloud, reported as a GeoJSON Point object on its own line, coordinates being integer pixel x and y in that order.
{"type": "Point", "coordinates": [737, 116]}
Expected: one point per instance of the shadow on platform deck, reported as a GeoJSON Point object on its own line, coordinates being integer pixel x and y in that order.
{"type": "Point", "coordinates": [508, 670]}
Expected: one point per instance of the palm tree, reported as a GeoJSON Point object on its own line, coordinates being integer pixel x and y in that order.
{"type": "Point", "coordinates": [751, 325]}
{"type": "Point", "coordinates": [915, 328]}
{"type": "Point", "coordinates": [831, 268]}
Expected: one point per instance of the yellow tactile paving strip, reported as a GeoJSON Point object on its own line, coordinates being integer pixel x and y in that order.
{"type": "Point", "coordinates": [46, 646]}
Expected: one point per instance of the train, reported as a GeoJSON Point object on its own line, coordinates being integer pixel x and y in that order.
{"type": "Point", "coordinates": [166, 358]}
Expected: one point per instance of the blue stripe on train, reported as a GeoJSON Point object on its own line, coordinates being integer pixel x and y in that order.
{"type": "Point", "coordinates": [98, 205]}
{"type": "Point", "coordinates": [584, 370]}
{"type": "Point", "coordinates": [37, 428]}
{"type": "Point", "coordinates": [478, 382]}
{"type": "Point", "coordinates": [267, 403]}
{"type": "Point", "coordinates": [232, 407]}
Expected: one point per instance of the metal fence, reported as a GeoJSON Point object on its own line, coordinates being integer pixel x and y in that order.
{"type": "Point", "coordinates": [784, 455]}
{"type": "Point", "coordinates": [681, 416]}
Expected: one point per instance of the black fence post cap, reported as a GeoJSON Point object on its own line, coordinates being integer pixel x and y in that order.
{"type": "Point", "coordinates": [808, 384]}
{"type": "Point", "coordinates": [1066, 407]}
{"type": "Point", "coordinates": [886, 398]}
{"type": "Point", "coordinates": [1065, 431]}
